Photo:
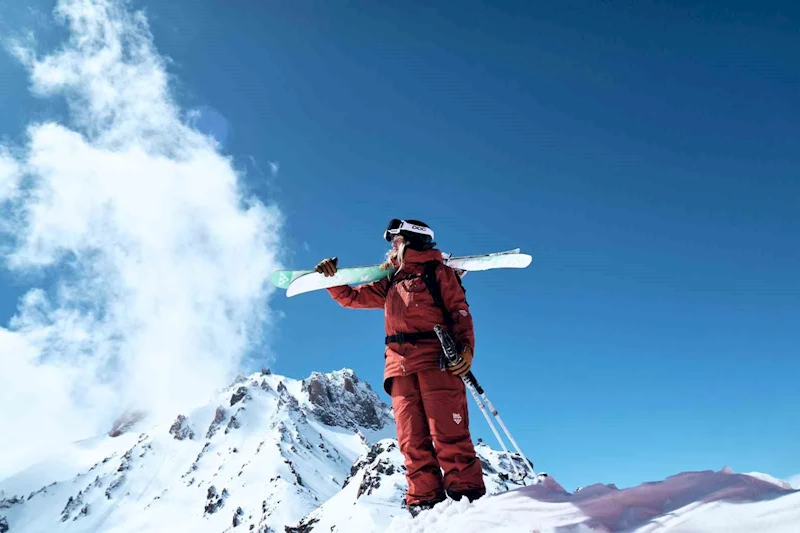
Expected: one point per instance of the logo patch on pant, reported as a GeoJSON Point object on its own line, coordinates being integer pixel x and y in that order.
{"type": "Point", "coordinates": [456, 418]}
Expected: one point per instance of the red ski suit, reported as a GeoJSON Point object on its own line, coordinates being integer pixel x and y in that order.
{"type": "Point", "coordinates": [430, 405]}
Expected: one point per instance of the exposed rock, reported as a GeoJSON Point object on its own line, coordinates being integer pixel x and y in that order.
{"type": "Point", "coordinates": [219, 416]}
{"type": "Point", "coordinates": [43, 490]}
{"type": "Point", "coordinates": [3, 524]}
{"type": "Point", "coordinates": [125, 462]}
{"type": "Point", "coordinates": [114, 486]}
{"type": "Point", "coordinates": [214, 501]}
{"type": "Point", "coordinates": [180, 429]}
{"type": "Point", "coordinates": [286, 399]}
{"type": "Point", "coordinates": [73, 503]}
{"type": "Point", "coordinates": [283, 431]}
{"type": "Point", "coordinates": [8, 502]}
{"type": "Point", "coordinates": [237, 397]}
{"type": "Point", "coordinates": [146, 448]}
{"type": "Point", "coordinates": [237, 516]}
{"type": "Point", "coordinates": [233, 424]}
{"type": "Point", "coordinates": [303, 527]}
{"type": "Point", "coordinates": [373, 453]}
{"type": "Point", "coordinates": [500, 474]}
{"type": "Point", "coordinates": [340, 399]}
{"type": "Point", "coordinates": [194, 465]}
{"type": "Point", "coordinates": [296, 475]}
{"type": "Point", "coordinates": [374, 468]}
{"type": "Point", "coordinates": [486, 467]}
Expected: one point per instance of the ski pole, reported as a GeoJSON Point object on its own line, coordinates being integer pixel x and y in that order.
{"type": "Point", "coordinates": [450, 352]}
{"type": "Point", "coordinates": [508, 434]}
{"type": "Point", "coordinates": [478, 401]}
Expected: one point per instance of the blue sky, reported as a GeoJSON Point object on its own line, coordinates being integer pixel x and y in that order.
{"type": "Point", "coordinates": [645, 154]}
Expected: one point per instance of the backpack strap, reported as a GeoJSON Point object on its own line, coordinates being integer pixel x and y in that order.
{"type": "Point", "coordinates": [429, 277]}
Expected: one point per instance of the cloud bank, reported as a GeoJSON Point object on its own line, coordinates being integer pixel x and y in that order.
{"type": "Point", "coordinates": [152, 260]}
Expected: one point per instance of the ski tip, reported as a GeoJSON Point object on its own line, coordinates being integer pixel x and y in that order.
{"type": "Point", "coordinates": [283, 278]}
{"type": "Point", "coordinates": [293, 291]}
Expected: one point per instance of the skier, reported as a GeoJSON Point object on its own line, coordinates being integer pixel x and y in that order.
{"type": "Point", "coordinates": [430, 405]}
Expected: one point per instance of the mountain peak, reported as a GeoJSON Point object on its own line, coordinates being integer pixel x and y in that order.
{"type": "Point", "coordinates": [339, 398]}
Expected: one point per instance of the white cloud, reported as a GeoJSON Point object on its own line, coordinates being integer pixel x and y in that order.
{"type": "Point", "coordinates": [159, 262]}
{"type": "Point", "coordinates": [9, 175]}
{"type": "Point", "coordinates": [274, 167]}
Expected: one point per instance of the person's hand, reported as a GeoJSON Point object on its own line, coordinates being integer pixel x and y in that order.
{"type": "Point", "coordinates": [327, 267]}
{"type": "Point", "coordinates": [462, 368]}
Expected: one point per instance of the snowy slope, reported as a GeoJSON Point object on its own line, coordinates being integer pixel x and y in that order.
{"type": "Point", "coordinates": [273, 454]}
{"type": "Point", "coordinates": [374, 493]}
{"type": "Point", "coordinates": [265, 453]}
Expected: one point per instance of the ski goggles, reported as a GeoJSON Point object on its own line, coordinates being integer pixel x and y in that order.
{"type": "Point", "coordinates": [396, 226]}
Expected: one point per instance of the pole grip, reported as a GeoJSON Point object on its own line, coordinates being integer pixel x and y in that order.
{"type": "Point", "coordinates": [449, 349]}
{"type": "Point", "coordinates": [470, 377]}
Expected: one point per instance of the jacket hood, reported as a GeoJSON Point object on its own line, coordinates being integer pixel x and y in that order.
{"type": "Point", "coordinates": [415, 256]}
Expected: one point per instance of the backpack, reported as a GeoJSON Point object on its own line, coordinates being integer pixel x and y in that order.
{"type": "Point", "coordinates": [429, 277]}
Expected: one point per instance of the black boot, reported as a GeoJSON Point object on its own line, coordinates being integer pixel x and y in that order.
{"type": "Point", "coordinates": [416, 508]}
{"type": "Point", "coordinates": [470, 494]}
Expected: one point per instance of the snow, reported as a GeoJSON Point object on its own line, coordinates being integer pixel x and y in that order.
{"type": "Point", "coordinates": [256, 447]}
{"type": "Point", "coordinates": [771, 479]}
{"type": "Point", "coordinates": [370, 499]}
{"type": "Point", "coordinates": [270, 453]}
{"type": "Point", "coordinates": [689, 502]}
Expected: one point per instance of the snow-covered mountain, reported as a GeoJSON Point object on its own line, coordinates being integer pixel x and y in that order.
{"type": "Point", "coordinates": [265, 454]}
{"type": "Point", "coordinates": [273, 454]}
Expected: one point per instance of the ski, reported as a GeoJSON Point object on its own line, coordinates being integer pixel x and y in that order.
{"type": "Point", "coordinates": [283, 278]}
{"type": "Point", "coordinates": [301, 281]}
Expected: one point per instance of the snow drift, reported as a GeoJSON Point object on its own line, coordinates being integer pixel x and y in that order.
{"type": "Point", "coordinates": [706, 501]}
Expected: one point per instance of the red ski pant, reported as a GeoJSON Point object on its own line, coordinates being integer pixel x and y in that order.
{"type": "Point", "coordinates": [430, 408]}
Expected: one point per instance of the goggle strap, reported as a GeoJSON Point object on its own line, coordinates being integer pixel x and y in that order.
{"type": "Point", "coordinates": [413, 228]}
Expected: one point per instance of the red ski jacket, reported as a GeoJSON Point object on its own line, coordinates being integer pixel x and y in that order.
{"type": "Point", "coordinates": [409, 308]}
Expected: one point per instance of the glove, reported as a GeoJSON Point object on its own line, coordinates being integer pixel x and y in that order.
{"type": "Point", "coordinates": [327, 267]}
{"type": "Point", "coordinates": [460, 369]}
